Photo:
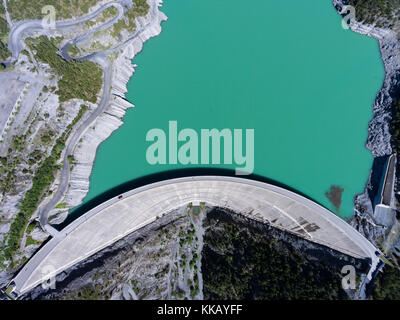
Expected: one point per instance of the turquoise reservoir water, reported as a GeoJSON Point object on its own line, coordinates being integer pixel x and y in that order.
{"type": "Point", "coordinates": [286, 69]}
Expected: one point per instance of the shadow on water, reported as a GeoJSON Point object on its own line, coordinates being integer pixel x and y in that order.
{"type": "Point", "coordinates": [156, 177]}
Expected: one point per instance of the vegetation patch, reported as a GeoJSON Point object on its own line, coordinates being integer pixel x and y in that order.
{"type": "Point", "coordinates": [387, 286]}
{"type": "Point", "coordinates": [4, 27]}
{"type": "Point", "coordinates": [240, 261]}
{"type": "Point", "coordinates": [81, 80]}
{"type": "Point", "coordinates": [383, 13]}
{"type": "Point", "coordinates": [4, 52]}
{"type": "Point", "coordinates": [30, 241]}
{"type": "Point", "coordinates": [2, 9]}
{"type": "Point", "coordinates": [73, 50]}
{"type": "Point", "coordinates": [61, 205]}
{"type": "Point", "coordinates": [31, 226]}
{"type": "Point", "coordinates": [139, 8]}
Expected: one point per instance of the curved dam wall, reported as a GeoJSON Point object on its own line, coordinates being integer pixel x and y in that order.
{"type": "Point", "coordinates": [118, 217]}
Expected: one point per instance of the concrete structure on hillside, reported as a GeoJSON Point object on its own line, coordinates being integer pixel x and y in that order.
{"type": "Point", "coordinates": [118, 217]}
{"type": "Point", "coordinates": [384, 212]}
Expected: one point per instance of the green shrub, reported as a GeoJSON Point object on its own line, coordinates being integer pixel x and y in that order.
{"type": "Point", "coordinates": [81, 80]}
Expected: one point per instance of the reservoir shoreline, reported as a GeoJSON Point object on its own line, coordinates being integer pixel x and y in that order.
{"type": "Point", "coordinates": [379, 136]}
{"type": "Point", "coordinates": [85, 153]}
{"type": "Point", "coordinates": [86, 150]}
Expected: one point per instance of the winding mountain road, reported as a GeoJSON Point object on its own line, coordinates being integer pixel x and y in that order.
{"type": "Point", "coordinates": [104, 62]}
{"type": "Point", "coordinates": [100, 57]}
{"type": "Point", "coordinates": [16, 44]}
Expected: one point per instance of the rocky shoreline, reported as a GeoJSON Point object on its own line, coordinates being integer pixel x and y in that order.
{"type": "Point", "coordinates": [379, 137]}
{"type": "Point", "coordinates": [122, 70]}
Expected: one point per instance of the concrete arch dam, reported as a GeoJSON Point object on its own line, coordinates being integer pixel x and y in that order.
{"type": "Point", "coordinates": [118, 217]}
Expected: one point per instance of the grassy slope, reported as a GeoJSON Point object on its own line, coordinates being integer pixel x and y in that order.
{"type": "Point", "coordinates": [4, 30]}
